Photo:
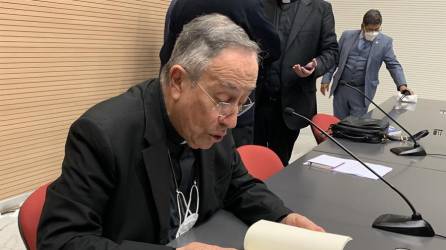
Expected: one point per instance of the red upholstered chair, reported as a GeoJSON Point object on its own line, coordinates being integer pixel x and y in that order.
{"type": "Point", "coordinates": [29, 216]}
{"type": "Point", "coordinates": [323, 121]}
{"type": "Point", "coordinates": [261, 162]}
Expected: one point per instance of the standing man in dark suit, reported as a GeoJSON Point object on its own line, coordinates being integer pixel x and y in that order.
{"type": "Point", "coordinates": [168, 18]}
{"type": "Point", "coordinates": [249, 14]}
{"type": "Point", "coordinates": [309, 49]}
{"type": "Point", "coordinates": [140, 169]}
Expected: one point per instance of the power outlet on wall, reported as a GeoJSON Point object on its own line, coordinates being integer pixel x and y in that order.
{"type": "Point", "coordinates": [438, 132]}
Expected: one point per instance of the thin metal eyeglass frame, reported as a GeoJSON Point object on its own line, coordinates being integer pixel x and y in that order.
{"type": "Point", "coordinates": [241, 109]}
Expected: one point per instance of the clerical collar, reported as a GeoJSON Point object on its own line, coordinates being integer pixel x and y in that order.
{"type": "Point", "coordinates": [172, 134]}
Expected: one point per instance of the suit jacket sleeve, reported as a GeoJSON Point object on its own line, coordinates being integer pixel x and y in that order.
{"type": "Point", "coordinates": [329, 75]}
{"type": "Point", "coordinates": [249, 198]}
{"type": "Point", "coordinates": [72, 214]}
{"type": "Point", "coordinates": [394, 67]}
{"type": "Point", "coordinates": [329, 50]}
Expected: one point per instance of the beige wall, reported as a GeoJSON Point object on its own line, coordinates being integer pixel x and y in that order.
{"type": "Point", "coordinates": [57, 58]}
{"type": "Point", "coordinates": [417, 28]}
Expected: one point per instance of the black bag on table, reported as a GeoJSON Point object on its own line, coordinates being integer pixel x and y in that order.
{"type": "Point", "coordinates": [361, 129]}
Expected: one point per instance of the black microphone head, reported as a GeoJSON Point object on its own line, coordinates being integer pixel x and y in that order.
{"type": "Point", "coordinates": [288, 111]}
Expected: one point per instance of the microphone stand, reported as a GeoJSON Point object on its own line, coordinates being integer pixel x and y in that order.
{"type": "Point", "coordinates": [416, 149]}
{"type": "Point", "coordinates": [408, 225]}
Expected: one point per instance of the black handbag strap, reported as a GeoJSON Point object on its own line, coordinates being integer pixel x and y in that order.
{"type": "Point", "coordinates": [361, 137]}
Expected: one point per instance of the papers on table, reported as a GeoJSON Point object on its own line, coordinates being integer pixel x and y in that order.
{"type": "Point", "coordinates": [407, 98]}
{"type": "Point", "coordinates": [267, 235]}
{"type": "Point", "coordinates": [348, 166]}
{"type": "Point", "coordinates": [408, 102]}
{"type": "Point", "coordinates": [326, 161]}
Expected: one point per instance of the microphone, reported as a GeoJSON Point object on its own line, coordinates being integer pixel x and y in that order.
{"type": "Point", "coordinates": [408, 225]}
{"type": "Point", "coordinates": [416, 149]}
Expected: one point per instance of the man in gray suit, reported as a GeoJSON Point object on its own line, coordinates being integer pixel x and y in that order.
{"type": "Point", "coordinates": [361, 55]}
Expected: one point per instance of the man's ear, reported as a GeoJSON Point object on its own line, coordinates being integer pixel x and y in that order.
{"type": "Point", "coordinates": [178, 77]}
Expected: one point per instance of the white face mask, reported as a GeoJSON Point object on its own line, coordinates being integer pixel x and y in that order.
{"type": "Point", "coordinates": [189, 218]}
{"type": "Point", "coordinates": [370, 35]}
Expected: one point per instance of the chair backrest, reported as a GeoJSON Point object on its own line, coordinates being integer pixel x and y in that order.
{"type": "Point", "coordinates": [29, 216]}
{"type": "Point", "coordinates": [261, 162]}
{"type": "Point", "coordinates": [323, 121]}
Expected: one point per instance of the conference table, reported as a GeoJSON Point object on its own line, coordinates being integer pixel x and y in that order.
{"type": "Point", "coordinates": [426, 114]}
{"type": "Point", "coordinates": [347, 204]}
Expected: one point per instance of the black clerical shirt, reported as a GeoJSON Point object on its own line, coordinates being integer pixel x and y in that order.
{"type": "Point", "coordinates": [283, 22]}
{"type": "Point", "coordinates": [185, 171]}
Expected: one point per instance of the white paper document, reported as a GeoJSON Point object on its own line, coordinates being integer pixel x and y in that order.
{"type": "Point", "coordinates": [348, 166]}
{"type": "Point", "coordinates": [267, 235]}
{"type": "Point", "coordinates": [328, 161]}
{"type": "Point", "coordinates": [407, 98]}
{"type": "Point", "coordinates": [356, 168]}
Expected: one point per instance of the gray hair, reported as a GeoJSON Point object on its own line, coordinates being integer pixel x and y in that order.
{"type": "Point", "coordinates": [201, 40]}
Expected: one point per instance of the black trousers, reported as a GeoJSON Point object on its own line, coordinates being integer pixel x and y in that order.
{"type": "Point", "coordinates": [271, 131]}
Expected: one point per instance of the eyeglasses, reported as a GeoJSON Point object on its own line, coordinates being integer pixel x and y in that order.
{"type": "Point", "coordinates": [225, 109]}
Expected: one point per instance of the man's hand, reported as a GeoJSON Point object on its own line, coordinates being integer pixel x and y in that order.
{"type": "Point", "coordinates": [202, 246]}
{"type": "Point", "coordinates": [325, 87]}
{"type": "Point", "coordinates": [305, 70]}
{"type": "Point", "coordinates": [298, 220]}
{"type": "Point", "coordinates": [403, 88]}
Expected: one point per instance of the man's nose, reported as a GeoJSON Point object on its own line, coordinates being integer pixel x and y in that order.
{"type": "Point", "coordinates": [229, 121]}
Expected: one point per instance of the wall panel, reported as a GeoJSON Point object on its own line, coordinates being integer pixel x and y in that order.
{"type": "Point", "coordinates": [57, 59]}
